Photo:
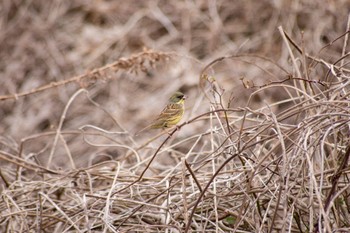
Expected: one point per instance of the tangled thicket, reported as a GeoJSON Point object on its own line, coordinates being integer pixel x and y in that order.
{"type": "Point", "coordinates": [264, 146]}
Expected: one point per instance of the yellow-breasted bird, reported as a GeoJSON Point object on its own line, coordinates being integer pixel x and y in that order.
{"type": "Point", "coordinates": [171, 114]}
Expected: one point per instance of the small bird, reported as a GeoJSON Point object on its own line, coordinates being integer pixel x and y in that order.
{"type": "Point", "coordinates": [171, 114]}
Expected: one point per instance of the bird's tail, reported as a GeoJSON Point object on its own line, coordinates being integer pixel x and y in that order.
{"type": "Point", "coordinates": [143, 129]}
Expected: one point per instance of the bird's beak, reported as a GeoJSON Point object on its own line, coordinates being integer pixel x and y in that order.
{"type": "Point", "coordinates": [185, 97]}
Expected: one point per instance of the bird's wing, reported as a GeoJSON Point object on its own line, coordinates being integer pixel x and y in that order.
{"type": "Point", "coordinates": [169, 114]}
{"type": "Point", "coordinates": [171, 110]}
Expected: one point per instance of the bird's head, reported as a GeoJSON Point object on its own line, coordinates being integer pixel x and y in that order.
{"type": "Point", "coordinates": [177, 97]}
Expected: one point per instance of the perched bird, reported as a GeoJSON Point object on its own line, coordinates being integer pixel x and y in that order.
{"type": "Point", "coordinates": [171, 114]}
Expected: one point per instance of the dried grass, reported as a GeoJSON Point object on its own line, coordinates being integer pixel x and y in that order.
{"type": "Point", "coordinates": [264, 146]}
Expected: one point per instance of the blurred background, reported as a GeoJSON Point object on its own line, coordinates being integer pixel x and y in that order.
{"type": "Point", "coordinates": [49, 41]}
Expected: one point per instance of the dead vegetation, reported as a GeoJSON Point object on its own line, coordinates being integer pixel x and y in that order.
{"type": "Point", "coordinates": [264, 146]}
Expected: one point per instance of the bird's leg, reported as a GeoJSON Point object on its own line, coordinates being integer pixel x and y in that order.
{"type": "Point", "coordinates": [176, 128]}
{"type": "Point", "coordinates": [167, 132]}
